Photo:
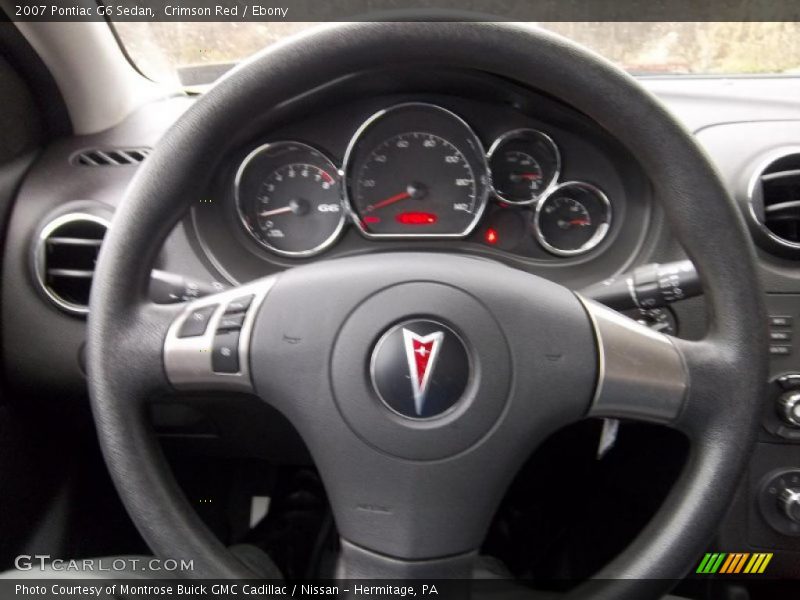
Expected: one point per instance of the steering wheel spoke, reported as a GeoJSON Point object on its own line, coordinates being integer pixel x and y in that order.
{"type": "Point", "coordinates": [647, 376]}
{"type": "Point", "coordinates": [207, 346]}
{"type": "Point", "coordinates": [642, 374]}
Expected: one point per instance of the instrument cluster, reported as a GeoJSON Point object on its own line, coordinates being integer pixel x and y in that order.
{"type": "Point", "coordinates": [414, 170]}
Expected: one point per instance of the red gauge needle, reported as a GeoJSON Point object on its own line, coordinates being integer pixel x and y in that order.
{"type": "Point", "coordinates": [388, 201]}
{"type": "Point", "coordinates": [579, 222]}
{"type": "Point", "coordinates": [529, 176]}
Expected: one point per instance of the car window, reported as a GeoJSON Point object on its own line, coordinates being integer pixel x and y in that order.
{"type": "Point", "coordinates": [198, 53]}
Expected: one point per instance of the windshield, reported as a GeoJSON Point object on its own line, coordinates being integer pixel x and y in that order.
{"type": "Point", "coordinates": [198, 53]}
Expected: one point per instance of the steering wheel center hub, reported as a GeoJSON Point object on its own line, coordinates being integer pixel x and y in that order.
{"type": "Point", "coordinates": [421, 386]}
{"type": "Point", "coordinates": [420, 369]}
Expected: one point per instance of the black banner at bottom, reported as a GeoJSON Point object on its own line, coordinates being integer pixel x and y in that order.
{"type": "Point", "coordinates": [378, 589]}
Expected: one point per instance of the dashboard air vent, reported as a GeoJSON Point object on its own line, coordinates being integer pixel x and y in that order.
{"type": "Point", "coordinates": [111, 158]}
{"type": "Point", "coordinates": [65, 256]}
{"type": "Point", "coordinates": [775, 203]}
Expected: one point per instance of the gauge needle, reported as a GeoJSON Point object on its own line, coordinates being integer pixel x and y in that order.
{"type": "Point", "coordinates": [388, 201]}
{"type": "Point", "coordinates": [528, 176]}
{"type": "Point", "coordinates": [579, 222]}
{"type": "Point", "coordinates": [277, 211]}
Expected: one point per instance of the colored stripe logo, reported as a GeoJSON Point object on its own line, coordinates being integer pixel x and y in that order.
{"type": "Point", "coordinates": [734, 563]}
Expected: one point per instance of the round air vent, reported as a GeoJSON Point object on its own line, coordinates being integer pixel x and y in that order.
{"type": "Point", "coordinates": [774, 204]}
{"type": "Point", "coordinates": [64, 259]}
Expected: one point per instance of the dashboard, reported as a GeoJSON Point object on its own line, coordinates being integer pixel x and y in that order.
{"type": "Point", "coordinates": [479, 167]}
{"type": "Point", "coordinates": [415, 171]}
{"type": "Point", "coordinates": [500, 172]}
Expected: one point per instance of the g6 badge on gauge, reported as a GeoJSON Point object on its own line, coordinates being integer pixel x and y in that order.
{"type": "Point", "coordinates": [289, 198]}
{"type": "Point", "coordinates": [416, 170]}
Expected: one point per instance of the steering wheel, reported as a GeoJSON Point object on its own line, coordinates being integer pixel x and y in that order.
{"type": "Point", "coordinates": [522, 356]}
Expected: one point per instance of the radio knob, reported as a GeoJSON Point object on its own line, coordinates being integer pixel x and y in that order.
{"type": "Point", "coordinates": [789, 503]}
{"type": "Point", "coordinates": [789, 407]}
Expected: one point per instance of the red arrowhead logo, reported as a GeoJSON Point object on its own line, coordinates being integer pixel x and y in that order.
{"type": "Point", "coordinates": [421, 353]}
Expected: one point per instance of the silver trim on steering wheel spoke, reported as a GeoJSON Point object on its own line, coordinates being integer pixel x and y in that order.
{"type": "Point", "coordinates": [641, 374]}
{"type": "Point", "coordinates": [189, 360]}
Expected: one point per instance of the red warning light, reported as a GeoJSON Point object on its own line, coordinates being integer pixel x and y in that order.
{"type": "Point", "coordinates": [416, 218]}
{"type": "Point", "coordinates": [371, 220]}
{"type": "Point", "coordinates": [491, 237]}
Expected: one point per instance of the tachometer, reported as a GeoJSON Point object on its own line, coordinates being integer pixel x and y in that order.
{"type": "Point", "coordinates": [289, 199]}
{"type": "Point", "coordinates": [416, 170]}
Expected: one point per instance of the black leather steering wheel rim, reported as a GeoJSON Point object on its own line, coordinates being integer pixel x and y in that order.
{"type": "Point", "coordinates": [727, 368]}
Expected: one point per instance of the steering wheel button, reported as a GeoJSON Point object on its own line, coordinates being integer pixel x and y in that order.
{"type": "Point", "coordinates": [225, 353]}
{"type": "Point", "coordinates": [231, 322]}
{"type": "Point", "coordinates": [779, 350]}
{"type": "Point", "coordinates": [196, 322]}
{"type": "Point", "coordinates": [239, 305]}
{"type": "Point", "coordinates": [779, 321]}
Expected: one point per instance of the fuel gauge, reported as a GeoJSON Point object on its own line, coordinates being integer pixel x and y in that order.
{"type": "Point", "coordinates": [572, 218]}
{"type": "Point", "coordinates": [524, 164]}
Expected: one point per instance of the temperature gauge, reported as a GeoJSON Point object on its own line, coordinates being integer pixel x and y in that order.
{"type": "Point", "coordinates": [572, 218]}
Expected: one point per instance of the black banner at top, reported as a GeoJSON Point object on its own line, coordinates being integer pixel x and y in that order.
{"type": "Point", "coordinates": [401, 10]}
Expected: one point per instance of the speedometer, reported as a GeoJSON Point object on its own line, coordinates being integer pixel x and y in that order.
{"type": "Point", "coordinates": [416, 170]}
